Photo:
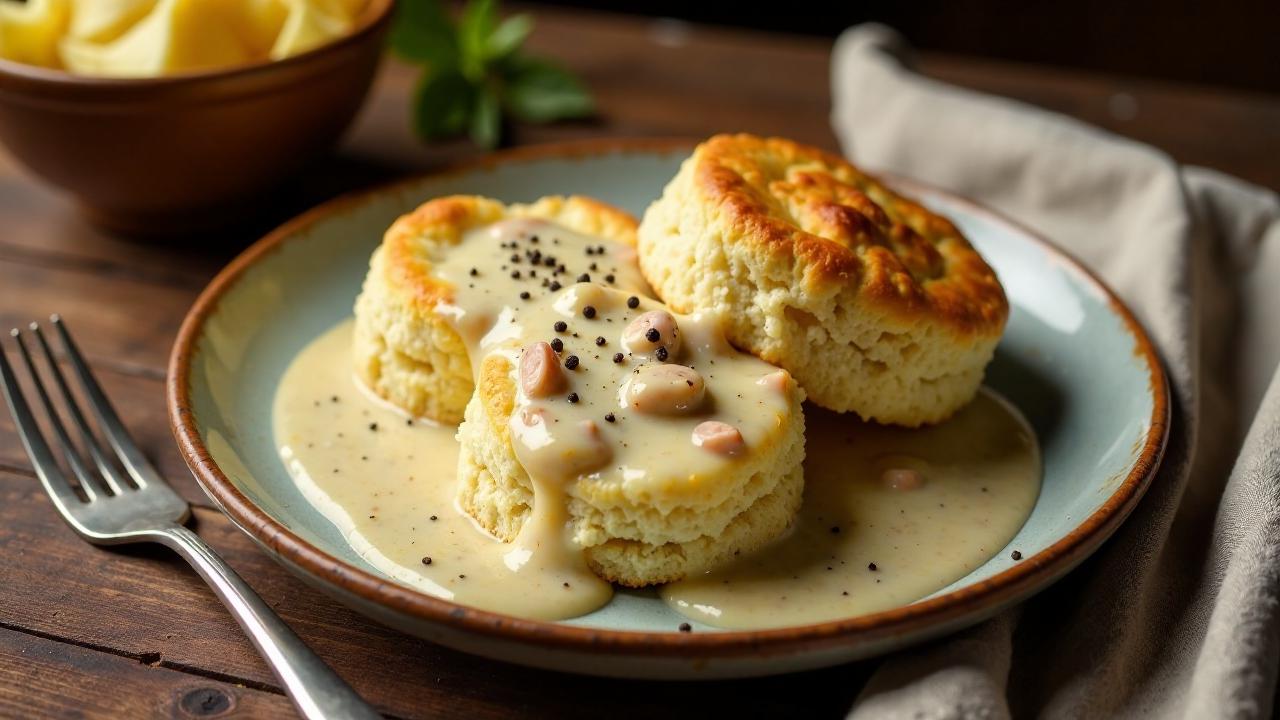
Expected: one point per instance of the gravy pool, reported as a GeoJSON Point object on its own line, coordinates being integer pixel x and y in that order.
{"type": "Point", "coordinates": [388, 482]}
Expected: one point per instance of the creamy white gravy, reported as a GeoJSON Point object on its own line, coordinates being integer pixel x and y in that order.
{"type": "Point", "coordinates": [382, 488]}
{"type": "Point", "coordinates": [388, 483]}
{"type": "Point", "coordinates": [609, 404]}
{"type": "Point", "coordinates": [859, 545]}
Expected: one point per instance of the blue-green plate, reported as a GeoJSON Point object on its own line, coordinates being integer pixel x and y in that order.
{"type": "Point", "coordinates": [1072, 359]}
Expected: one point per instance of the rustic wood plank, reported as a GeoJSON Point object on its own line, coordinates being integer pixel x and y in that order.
{"type": "Point", "coordinates": [42, 678]}
{"type": "Point", "coordinates": [120, 322]}
{"type": "Point", "coordinates": [44, 227]}
{"type": "Point", "coordinates": [146, 603]}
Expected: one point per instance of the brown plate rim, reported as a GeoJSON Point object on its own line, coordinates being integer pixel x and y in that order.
{"type": "Point", "coordinates": [943, 610]}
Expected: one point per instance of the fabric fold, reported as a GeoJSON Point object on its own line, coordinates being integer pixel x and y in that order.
{"type": "Point", "coordinates": [1176, 615]}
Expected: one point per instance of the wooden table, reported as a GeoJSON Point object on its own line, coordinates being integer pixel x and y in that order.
{"type": "Point", "coordinates": [89, 632]}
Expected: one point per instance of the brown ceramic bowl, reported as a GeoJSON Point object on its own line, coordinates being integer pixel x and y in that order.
{"type": "Point", "coordinates": [152, 156]}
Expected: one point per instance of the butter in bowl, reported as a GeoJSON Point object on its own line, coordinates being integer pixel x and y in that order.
{"type": "Point", "coordinates": [167, 116]}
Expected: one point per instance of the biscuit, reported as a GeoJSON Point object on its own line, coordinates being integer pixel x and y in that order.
{"type": "Point", "coordinates": [406, 351]}
{"type": "Point", "coordinates": [875, 304]}
{"type": "Point", "coordinates": [662, 487]}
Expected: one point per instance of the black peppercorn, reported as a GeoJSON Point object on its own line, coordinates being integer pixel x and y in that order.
{"type": "Point", "coordinates": [584, 278]}
{"type": "Point", "coordinates": [561, 326]}
{"type": "Point", "coordinates": [600, 341]}
{"type": "Point", "coordinates": [573, 397]}
{"type": "Point", "coordinates": [652, 335]}
{"type": "Point", "coordinates": [524, 295]}
{"type": "Point", "coordinates": [557, 344]}
{"type": "Point", "coordinates": [617, 357]}
{"type": "Point", "coordinates": [589, 311]}
{"type": "Point", "coordinates": [633, 302]}
{"type": "Point", "coordinates": [661, 354]}
{"type": "Point", "coordinates": [609, 417]}
{"type": "Point", "coordinates": [571, 362]}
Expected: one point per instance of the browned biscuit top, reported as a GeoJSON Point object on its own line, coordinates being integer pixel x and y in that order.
{"type": "Point", "coordinates": [445, 220]}
{"type": "Point", "coordinates": [847, 231]}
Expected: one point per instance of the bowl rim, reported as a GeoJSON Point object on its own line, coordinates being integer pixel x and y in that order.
{"type": "Point", "coordinates": [375, 15]}
{"type": "Point", "coordinates": [954, 607]}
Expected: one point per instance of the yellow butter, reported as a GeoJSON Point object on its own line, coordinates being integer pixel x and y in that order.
{"type": "Point", "coordinates": [311, 23]}
{"type": "Point", "coordinates": [260, 23]}
{"type": "Point", "coordinates": [176, 36]}
{"type": "Point", "coordinates": [106, 20]}
{"type": "Point", "coordinates": [140, 38]}
{"type": "Point", "coordinates": [29, 31]}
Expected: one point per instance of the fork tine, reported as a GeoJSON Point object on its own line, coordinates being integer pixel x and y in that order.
{"type": "Point", "coordinates": [130, 456]}
{"type": "Point", "coordinates": [46, 467]}
{"type": "Point", "coordinates": [55, 421]}
{"type": "Point", "coordinates": [114, 481]}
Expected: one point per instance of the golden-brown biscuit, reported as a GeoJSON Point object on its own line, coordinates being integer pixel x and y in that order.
{"type": "Point", "coordinates": [405, 350]}
{"type": "Point", "coordinates": [874, 303]}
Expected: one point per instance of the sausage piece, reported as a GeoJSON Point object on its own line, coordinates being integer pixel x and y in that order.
{"type": "Point", "coordinates": [664, 390]}
{"type": "Point", "coordinates": [540, 374]}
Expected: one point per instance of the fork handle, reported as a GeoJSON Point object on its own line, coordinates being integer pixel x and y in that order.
{"type": "Point", "coordinates": [315, 689]}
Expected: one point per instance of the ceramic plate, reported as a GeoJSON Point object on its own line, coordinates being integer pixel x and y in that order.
{"type": "Point", "coordinates": [1073, 360]}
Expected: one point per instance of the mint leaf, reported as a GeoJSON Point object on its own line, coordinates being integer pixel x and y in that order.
{"type": "Point", "coordinates": [474, 71]}
{"type": "Point", "coordinates": [538, 91]}
{"type": "Point", "coordinates": [443, 104]}
{"type": "Point", "coordinates": [509, 36]}
{"type": "Point", "coordinates": [424, 33]}
{"type": "Point", "coordinates": [486, 120]}
{"type": "Point", "coordinates": [474, 28]}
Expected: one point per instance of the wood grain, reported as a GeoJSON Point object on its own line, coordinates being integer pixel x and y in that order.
{"type": "Point", "coordinates": [122, 322]}
{"type": "Point", "coordinates": [40, 677]}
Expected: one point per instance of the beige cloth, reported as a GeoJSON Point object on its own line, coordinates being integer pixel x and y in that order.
{"type": "Point", "coordinates": [1178, 615]}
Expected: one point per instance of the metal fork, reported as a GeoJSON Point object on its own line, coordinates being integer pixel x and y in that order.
{"type": "Point", "coordinates": [110, 507]}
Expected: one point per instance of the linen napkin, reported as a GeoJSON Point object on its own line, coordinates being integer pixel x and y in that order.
{"type": "Point", "coordinates": [1178, 615]}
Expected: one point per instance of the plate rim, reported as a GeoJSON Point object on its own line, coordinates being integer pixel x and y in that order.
{"type": "Point", "coordinates": [941, 611]}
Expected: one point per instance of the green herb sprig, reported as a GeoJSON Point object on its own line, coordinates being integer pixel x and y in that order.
{"type": "Point", "coordinates": [474, 72]}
